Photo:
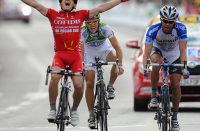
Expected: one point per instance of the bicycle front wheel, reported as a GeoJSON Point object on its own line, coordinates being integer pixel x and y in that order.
{"type": "Point", "coordinates": [103, 121]}
{"type": "Point", "coordinates": [104, 111]}
{"type": "Point", "coordinates": [166, 109]}
{"type": "Point", "coordinates": [164, 123]}
{"type": "Point", "coordinates": [62, 110]}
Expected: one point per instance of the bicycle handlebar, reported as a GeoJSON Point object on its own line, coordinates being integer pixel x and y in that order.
{"type": "Point", "coordinates": [100, 63]}
{"type": "Point", "coordinates": [61, 72]}
{"type": "Point", "coordinates": [166, 64]}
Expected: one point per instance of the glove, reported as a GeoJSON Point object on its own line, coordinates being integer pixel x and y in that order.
{"type": "Point", "coordinates": [146, 73]}
{"type": "Point", "coordinates": [186, 74]}
{"type": "Point", "coordinates": [124, 0]}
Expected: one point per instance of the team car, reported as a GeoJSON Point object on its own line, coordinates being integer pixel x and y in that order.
{"type": "Point", "coordinates": [190, 88]}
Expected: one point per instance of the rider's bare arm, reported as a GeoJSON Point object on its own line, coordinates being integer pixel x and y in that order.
{"type": "Point", "coordinates": [183, 50]}
{"type": "Point", "coordinates": [104, 7]}
{"type": "Point", "coordinates": [82, 50]}
{"type": "Point", "coordinates": [115, 44]}
{"type": "Point", "coordinates": [43, 10]}
{"type": "Point", "coordinates": [147, 52]}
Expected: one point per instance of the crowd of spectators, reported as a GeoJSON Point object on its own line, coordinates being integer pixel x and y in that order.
{"type": "Point", "coordinates": [190, 6]}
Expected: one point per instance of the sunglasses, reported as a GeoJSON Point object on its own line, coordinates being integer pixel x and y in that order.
{"type": "Point", "coordinates": [167, 21]}
{"type": "Point", "coordinates": [92, 22]}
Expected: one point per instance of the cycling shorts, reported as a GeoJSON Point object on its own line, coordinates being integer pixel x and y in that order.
{"type": "Point", "coordinates": [71, 58]}
{"type": "Point", "coordinates": [172, 70]}
{"type": "Point", "coordinates": [90, 57]}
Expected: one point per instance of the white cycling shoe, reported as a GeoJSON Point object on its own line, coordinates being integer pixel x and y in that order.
{"type": "Point", "coordinates": [153, 103]}
{"type": "Point", "coordinates": [51, 116]}
{"type": "Point", "coordinates": [74, 118]}
{"type": "Point", "coordinates": [175, 125]}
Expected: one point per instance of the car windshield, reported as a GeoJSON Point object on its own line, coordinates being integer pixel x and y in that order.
{"type": "Point", "coordinates": [193, 35]}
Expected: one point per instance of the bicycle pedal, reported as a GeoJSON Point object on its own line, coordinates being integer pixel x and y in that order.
{"type": "Point", "coordinates": [111, 98]}
{"type": "Point", "coordinates": [93, 128]}
{"type": "Point", "coordinates": [152, 108]}
{"type": "Point", "coordinates": [51, 121]}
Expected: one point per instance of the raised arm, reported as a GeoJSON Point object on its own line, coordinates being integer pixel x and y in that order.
{"type": "Point", "coordinates": [43, 10]}
{"type": "Point", "coordinates": [104, 7]}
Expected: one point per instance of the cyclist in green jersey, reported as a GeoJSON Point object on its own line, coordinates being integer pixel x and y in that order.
{"type": "Point", "coordinates": [99, 40]}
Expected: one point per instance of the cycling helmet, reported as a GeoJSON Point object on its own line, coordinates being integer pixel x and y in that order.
{"type": "Point", "coordinates": [169, 13]}
{"type": "Point", "coordinates": [93, 18]}
{"type": "Point", "coordinates": [75, 1]}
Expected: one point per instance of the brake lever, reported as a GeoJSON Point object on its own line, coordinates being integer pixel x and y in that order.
{"type": "Point", "coordinates": [47, 75]}
{"type": "Point", "coordinates": [118, 66]}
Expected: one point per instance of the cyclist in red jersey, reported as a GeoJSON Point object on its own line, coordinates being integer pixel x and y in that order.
{"type": "Point", "coordinates": [66, 26]}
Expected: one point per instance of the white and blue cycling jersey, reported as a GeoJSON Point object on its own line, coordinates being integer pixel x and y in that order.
{"type": "Point", "coordinates": [168, 44]}
{"type": "Point", "coordinates": [96, 44]}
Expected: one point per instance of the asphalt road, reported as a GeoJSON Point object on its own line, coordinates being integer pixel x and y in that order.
{"type": "Point", "coordinates": [26, 51]}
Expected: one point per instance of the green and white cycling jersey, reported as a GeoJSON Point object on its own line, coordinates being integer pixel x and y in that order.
{"type": "Point", "coordinates": [96, 44]}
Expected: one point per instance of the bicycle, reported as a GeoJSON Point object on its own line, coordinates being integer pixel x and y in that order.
{"type": "Point", "coordinates": [163, 113]}
{"type": "Point", "coordinates": [63, 113]}
{"type": "Point", "coordinates": [101, 99]}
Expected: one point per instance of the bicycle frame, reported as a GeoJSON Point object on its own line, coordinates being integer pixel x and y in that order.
{"type": "Point", "coordinates": [163, 113]}
{"type": "Point", "coordinates": [102, 105]}
{"type": "Point", "coordinates": [63, 113]}
{"type": "Point", "coordinates": [102, 100]}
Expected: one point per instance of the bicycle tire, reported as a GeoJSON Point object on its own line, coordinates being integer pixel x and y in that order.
{"type": "Point", "coordinates": [62, 110]}
{"type": "Point", "coordinates": [103, 121]}
{"type": "Point", "coordinates": [164, 123]}
{"type": "Point", "coordinates": [165, 108]}
{"type": "Point", "coordinates": [104, 111]}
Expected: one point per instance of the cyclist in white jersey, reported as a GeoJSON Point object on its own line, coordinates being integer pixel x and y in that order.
{"type": "Point", "coordinates": [99, 40]}
{"type": "Point", "coordinates": [166, 42]}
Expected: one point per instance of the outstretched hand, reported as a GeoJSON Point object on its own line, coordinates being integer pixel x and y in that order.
{"type": "Point", "coordinates": [124, 0]}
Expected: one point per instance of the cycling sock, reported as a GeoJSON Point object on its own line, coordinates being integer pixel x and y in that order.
{"type": "Point", "coordinates": [154, 94]}
{"type": "Point", "coordinates": [110, 84]}
{"type": "Point", "coordinates": [53, 107]}
{"type": "Point", "coordinates": [91, 114]}
{"type": "Point", "coordinates": [174, 116]}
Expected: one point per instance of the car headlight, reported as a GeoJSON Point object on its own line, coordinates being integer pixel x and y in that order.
{"type": "Point", "coordinates": [26, 10]}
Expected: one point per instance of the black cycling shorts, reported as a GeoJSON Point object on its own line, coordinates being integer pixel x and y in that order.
{"type": "Point", "coordinates": [172, 70]}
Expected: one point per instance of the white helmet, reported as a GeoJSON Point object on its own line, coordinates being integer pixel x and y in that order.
{"type": "Point", "coordinates": [169, 13]}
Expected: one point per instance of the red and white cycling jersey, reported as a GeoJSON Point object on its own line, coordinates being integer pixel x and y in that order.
{"type": "Point", "coordinates": [66, 28]}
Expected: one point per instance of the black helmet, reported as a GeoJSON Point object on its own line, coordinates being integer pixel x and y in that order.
{"type": "Point", "coordinates": [75, 1]}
